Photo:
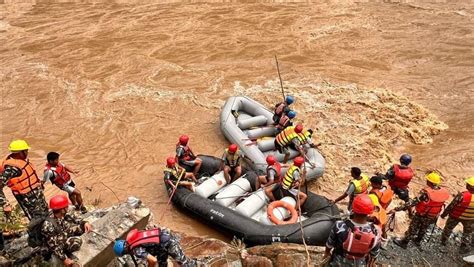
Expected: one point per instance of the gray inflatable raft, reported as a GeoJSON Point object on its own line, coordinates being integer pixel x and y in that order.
{"type": "Point", "coordinates": [249, 124]}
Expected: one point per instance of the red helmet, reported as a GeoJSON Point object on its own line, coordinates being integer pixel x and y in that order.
{"type": "Point", "coordinates": [233, 148]}
{"type": "Point", "coordinates": [58, 202]}
{"type": "Point", "coordinates": [299, 128]}
{"type": "Point", "coordinates": [183, 140]}
{"type": "Point", "coordinates": [298, 161]}
{"type": "Point", "coordinates": [170, 162]}
{"type": "Point", "coordinates": [271, 160]}
{"type": "Point", "coordinates": [362, 204]}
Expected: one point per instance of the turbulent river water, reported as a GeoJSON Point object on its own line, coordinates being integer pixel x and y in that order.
{"type": "Point", "coordinates": [111, 85]}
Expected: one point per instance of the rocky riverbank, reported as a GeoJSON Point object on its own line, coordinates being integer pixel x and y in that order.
{"type": "Point", "coordinates": [113, 222]}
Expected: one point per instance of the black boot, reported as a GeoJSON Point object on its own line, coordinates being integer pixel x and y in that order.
{"type": "Point", "coordinates": [403, 243]}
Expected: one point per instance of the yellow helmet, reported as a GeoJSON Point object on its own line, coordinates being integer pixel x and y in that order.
{"type": "Point", "coordinates": [18, 145]}
{"type": "Point", "coordinates": [434, 178]}
{"type": "Point", "coordinates": [374, 199]}
{"type": "Point", "coordinates": [470, 181]}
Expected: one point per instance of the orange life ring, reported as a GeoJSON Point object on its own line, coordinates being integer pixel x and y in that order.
{"type": "Point", "coordinates": [283, 204]}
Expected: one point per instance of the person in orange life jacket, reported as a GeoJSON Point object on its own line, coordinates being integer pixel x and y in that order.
{"type": "Point", "coordinates": [461, 210]}
{"type": "Point", "coordinates": [19, 174]}
{"type": "Point", "coordinates": [355, 241]}
{"type": "Point", "coordinates": [399, 176]}
{"type": "Point", "coordinates": [273, 173]}
{"type": "Point", "coordinates": [289, 138]}
{"type": "Point", "coordinates": [358, 185]}
{"type": "Point", "coordinates": [289, 184]}
{"type": "Point", "coordinates": [231, 162]}
{"type": "Point", "coordinates": [285, 121]}
{"type": "Point", "coordinates": [383, 193]}
{"type": "Point", "coordinates": [383, 196]}
{"type": "Point", "coordinates": [174, 173]}
{"type": "Point", "coordinates": [428, 205]}
{"type": "Point", "coordinates": [185, 155]}
{"type": "Point", "coordinates": [154, 246]}
{"type": "Point", "coordinates": [282, 108]}
{"type": "Point", "coordinates": [58, 174]}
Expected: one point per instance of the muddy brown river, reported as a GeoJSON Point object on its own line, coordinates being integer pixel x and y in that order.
{"type": "Point", "coordinates": [111, 86]}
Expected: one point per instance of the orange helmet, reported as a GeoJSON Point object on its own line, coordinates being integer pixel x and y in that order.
{"type": "Point", "coordinates": [271, 160]}
{"type": "Point", "coordinates": [299, 128]}
{"type": "Point", "coordinates": [298, 161]}
{"type": "Point", "coordinates": [58, 202]}
{"type": "Point", "coordinates": [233, 148]}
{"type": "Point", "coordinates": [363, 205]}
{"type": "Point", "coordinates": [183, 140]}
{"type": "Point", "coordinates": [170, 162]}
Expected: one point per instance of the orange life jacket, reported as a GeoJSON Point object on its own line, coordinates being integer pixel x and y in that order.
{"type": "Point", "coordinates": [137, 238]}
{"type": "Point", "coordinates": [384, 196]}
{"type": "Point", "coordinates": [61, 176]}
{"type": "Point", "coordinates": [27, 181]}
{"type": "Point", "coordinates": [279, 108]}
{"type": "Point", "coordinates": [285, 136]}
{"type": "Point", "coordinates": [277, 168]}
{"type": "Point", "coordinates": [402, 177]}
{"type": "Point", "coordinates": [465, 209]}
{"type": "Point", "coordinates": [187, 152]}
{"type": "Point", "coordinates": [358, 244]}
{"type": "Point", "coordinates": [284, 122]}
{"type": "Point", "coordinates": [380, 216]}
{"type": "Point", "coordinates": [432, 208]}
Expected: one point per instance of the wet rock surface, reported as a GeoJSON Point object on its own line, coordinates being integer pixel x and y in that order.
{"type": "Point", "coordinates": [430, 253]}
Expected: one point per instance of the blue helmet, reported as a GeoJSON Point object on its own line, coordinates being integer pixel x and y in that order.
{"type": "Point", "coordinates": [289, 99]}
{"type": "Point", "coordinates": [119, 247]}
{"type": "Point", "coordinates": [291, 114]}
{"type": "Point", "coordinates": [405, 159]}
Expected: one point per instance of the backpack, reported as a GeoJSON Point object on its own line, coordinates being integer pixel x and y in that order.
{"type": "Point", "coordinates": [35, 236]}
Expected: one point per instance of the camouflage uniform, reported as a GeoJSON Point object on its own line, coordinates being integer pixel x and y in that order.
{"type": "Point", "coordinates": [468, 225]}
{"type": "Point", "coordinates": [33, 203]}
{"type": "Point", "coordinates": [419, 223]}
{"type": "Point", "coordinates": [168, 246]}
{"type": "Point", "coordinates": [63, 235]}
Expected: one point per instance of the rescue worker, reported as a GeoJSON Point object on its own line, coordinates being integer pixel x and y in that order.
{"type": "Point", "coordinates": [399, 176]}
{"type": "Point", "coordinates": [154, 246]}
{"type": "Point", "coordinates": [18, 173]}
{"type": "Point", "coordinates": [289, 185]}
{"type": "Point", "coordinates": [428, 206]}
{"type": "Point", "coordinates": [231, 163]}
{"type": "Point", "coordinates": [287, 139]}
{"type": "Point", "coordinates": [176, 175]}
{"type": "Point", "coordinates": [285, 121]}
{"type": "Point", "coordinates": [461, 210]}
{"type": "Point", "coordinates": [358, 185]}
{"type": "Point", "coordinates": [305, 138]}
{"type": "Point", "coordinates": [282, 108]}
{"type": "Point", "coordinates": [62, 231]}
{"type": "Point", "coordinates": [59, 175]}
{"type": "Point", "coordinates": [272, 175]}
{"type": "Point", "coordinates": [355, 241]}
{"type": "Point", "coordinates": [185, 155]}
{"type": "Point", "coordinates": [383, 193]}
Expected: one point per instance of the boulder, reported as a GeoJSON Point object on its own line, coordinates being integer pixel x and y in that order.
{"type": "Point", "coordinates": [288, 254]}
{"type": "Point", "coordinates": [257, 261]}
{"type": "Point", "coordinates": [115, 222]}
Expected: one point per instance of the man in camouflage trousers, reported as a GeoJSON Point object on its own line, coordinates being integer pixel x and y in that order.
{"type": "Point", "coordinates": [461, 210]}
{"type": "Point", "coordinates": [429, 204]}
{"type": "Point", "coordinates": [62, 231]}
{"type": "Point", "coordinates": [19, 174]}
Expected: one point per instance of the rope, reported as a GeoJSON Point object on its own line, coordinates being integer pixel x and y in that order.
{"type": "Point", "coordinates": [171, 196]}
{"type": "Point", "coordinates": [303, 178]}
